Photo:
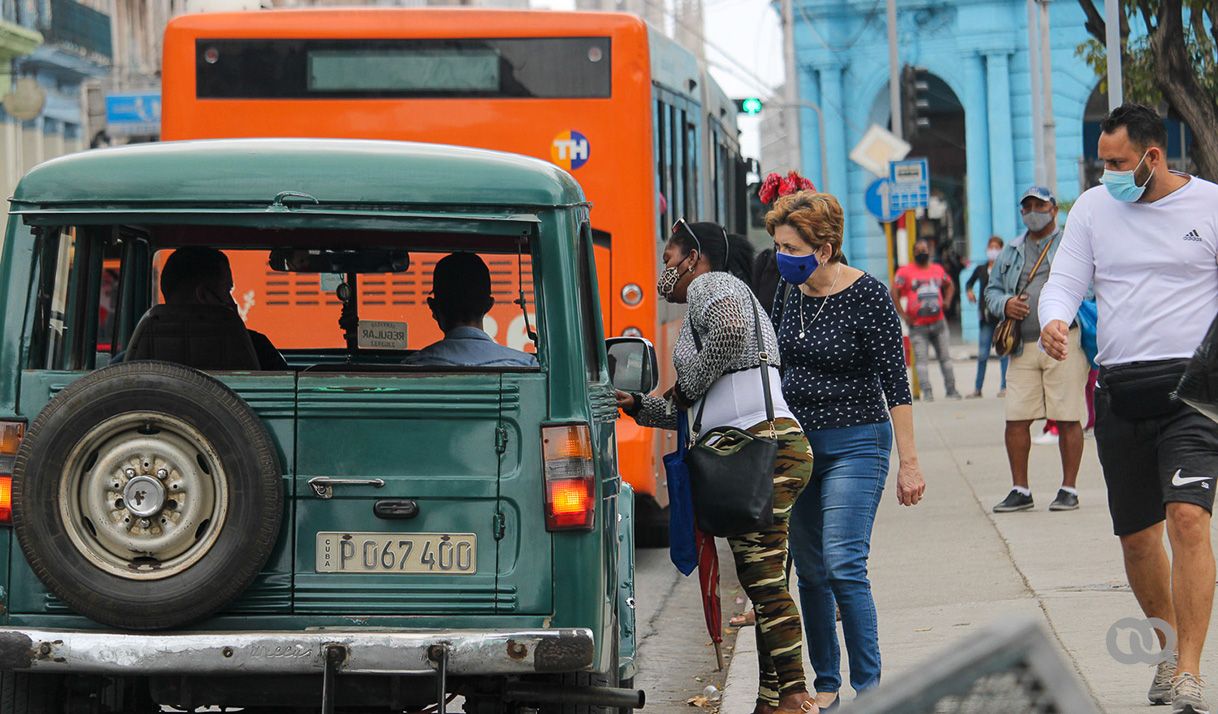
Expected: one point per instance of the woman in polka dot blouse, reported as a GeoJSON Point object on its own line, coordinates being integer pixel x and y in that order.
{"type": "Point", "coordinates": [844, 378]}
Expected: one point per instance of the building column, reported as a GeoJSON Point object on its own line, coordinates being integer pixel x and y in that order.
{"type": "Point", "coordinates": [809, 91]}
{"type": "Point", "coordinates": [1002, 153]}
{"type": "Point", "coordinates": [978, 213]}
{"type": "Point", "coordinates": [835, 129]}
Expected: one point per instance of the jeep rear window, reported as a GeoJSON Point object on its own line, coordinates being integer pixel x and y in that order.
{"type": "Point", "coordinates": [95, 284]}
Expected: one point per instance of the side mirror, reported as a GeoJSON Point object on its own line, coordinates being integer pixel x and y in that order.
{"type": "Point", "coordinates": [632, 364]}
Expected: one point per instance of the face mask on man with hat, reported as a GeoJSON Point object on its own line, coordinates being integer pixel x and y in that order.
{"type": "Point", "coordinates": [1038, 208]}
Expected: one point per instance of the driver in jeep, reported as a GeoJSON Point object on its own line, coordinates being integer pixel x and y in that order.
{"type": "Point", "coordinates": [461, 298]}
{"type": "Point", "coordinates": [198, 325]}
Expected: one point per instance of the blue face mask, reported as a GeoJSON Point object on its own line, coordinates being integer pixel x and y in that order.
{"type": "Point", "coordinates": [1123, 186]}
{"type": "Point", "coordinates": [796, 269]}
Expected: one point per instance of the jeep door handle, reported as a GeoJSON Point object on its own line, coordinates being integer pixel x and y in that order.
{"type": "Point", "coordinates": [323, 486]}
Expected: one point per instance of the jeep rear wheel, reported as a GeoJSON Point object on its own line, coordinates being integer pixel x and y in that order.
{"type": "Point", "coordinates": [147, 495]}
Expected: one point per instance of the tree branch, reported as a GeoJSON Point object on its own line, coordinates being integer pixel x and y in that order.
{"type": "Point", "coordinates": [1095, 21]}
{"type": "Point", "coordinates": [1212, 11]}
{"type": "Point", "coordinates": [1148, 15]}
{"type": "Point", "coordinates": [1181, 87]}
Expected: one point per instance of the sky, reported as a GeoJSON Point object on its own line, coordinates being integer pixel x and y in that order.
{"type": "Point", "coordinates": [743, 47]}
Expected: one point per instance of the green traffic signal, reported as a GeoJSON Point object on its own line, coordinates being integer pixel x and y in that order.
{"type": "Point", "coordinates": [751, 105]}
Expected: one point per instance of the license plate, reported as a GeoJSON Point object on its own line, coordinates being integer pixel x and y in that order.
{"type": "Point", "coordinates": [434, 553]}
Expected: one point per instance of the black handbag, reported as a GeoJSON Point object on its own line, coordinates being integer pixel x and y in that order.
{"type": "Point", "coordinates": [731, 471]}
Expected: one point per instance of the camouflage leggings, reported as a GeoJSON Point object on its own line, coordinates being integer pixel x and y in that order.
{"type": "Point", "coordinates": [761, 565]}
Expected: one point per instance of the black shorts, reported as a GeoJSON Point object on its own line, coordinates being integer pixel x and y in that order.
{"type": "Point", "coordinates": [1152, 462]}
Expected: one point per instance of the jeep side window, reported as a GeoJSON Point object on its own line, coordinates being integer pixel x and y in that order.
{"type": "Point", "coordinates": [78, 299]}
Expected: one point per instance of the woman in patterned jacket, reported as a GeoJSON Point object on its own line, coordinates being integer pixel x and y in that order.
{"type": "Point", "coordinates": [726, 374]}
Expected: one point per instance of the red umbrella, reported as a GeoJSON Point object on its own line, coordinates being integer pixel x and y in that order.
{"type": "Point", "coordinates": [708, 578]}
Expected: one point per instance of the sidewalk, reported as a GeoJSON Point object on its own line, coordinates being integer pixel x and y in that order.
{"type": "Point", "coordinates": [949, 565]}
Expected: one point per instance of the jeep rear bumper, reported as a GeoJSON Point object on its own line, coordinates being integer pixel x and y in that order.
{"type": "Point", "coordinates": [479, 652]}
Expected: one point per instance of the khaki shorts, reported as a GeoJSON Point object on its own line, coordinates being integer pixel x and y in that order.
{"type": "Point", "coordinates": [1040, 387]}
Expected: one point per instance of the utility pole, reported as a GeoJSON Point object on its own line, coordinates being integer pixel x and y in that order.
{"type": "Point", "coordinates": [1037, 110]}
{"type": "Point", "coordinates": [1112, 32]}
{"type": "Point", "coordinates": [1050, 125]}
{"type": "Point", "coordinates": [894, 72]}
{"type": "Point", "coordinates": [791, 85]}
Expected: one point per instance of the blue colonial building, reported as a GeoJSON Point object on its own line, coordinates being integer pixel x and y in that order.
{"type": "Point", "coordinates": [979, 139]}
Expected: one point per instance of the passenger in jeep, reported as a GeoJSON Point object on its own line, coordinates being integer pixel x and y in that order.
{"type": "Point", "coordinates": [199, 325]}
{"type": "Point", "coordinates": [461, 298]}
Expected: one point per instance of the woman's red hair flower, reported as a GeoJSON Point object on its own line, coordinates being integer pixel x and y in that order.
{"type": "Point", "coordinates": [775, 186]}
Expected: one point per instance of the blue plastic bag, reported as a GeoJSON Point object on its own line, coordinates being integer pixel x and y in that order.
{"type": "Point", "coordinates": [1088, 319]}
{"type": "Point", "coordinates": [682, 543]}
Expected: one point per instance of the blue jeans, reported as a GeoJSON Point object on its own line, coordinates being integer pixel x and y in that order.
{"type": "Point", "coordinates": [830, 541]}
{"type": "Point", "coordinates": [985, 344]}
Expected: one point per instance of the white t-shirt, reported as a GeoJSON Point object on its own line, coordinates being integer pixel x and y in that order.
{"type": "Point", "coordinates": [736, 400]}
{"type": "Point", "coordinates": [1155, 269]}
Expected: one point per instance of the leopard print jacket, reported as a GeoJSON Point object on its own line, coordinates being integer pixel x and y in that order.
{"type": "Point", "coordinates": [721, 310]}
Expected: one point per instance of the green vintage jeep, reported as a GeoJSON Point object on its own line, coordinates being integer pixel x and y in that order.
{"type": "Point", "coordinates": [347, 531]}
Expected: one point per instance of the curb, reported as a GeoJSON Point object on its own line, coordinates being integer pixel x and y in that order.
{"type": "Point", "coordinates": [740, 682]}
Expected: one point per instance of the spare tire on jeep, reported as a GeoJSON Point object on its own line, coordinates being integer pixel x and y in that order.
{"type": "Point", "coordinates": [147, 495]}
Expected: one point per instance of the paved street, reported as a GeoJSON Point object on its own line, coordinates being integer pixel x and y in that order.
{"type": "Point", "coordinates": [946, 568]}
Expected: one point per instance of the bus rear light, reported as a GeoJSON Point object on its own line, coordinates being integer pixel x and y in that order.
{"type": "Point", "coordinates": [632, 332]}
{"type": "Point", "coordinates": [11, 434]}
{"type": "Point", "coordinates": [570, 477]}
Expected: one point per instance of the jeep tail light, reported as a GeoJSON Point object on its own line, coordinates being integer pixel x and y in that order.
{"type": "Point", "coordinates": [11, 433]}
{"type": "Point", "coordinates": [570, 477]}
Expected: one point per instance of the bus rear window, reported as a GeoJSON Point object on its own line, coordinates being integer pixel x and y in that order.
{"type": "Point", "coordinates": [543, 68]}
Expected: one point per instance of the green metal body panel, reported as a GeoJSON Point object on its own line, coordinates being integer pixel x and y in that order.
{"type": "Point", "coordinates": [465, 446]}
{"type": "Point", "coordinates": [251, 172]}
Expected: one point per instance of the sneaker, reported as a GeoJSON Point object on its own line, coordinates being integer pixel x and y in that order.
{"type": "Point", "coordinates": [1002, 392]}
{"type": "Point", "coordinates": [1187, 696]}
{"type": "Point", "coordinates": [1065, 501]}
{"type": "Point", "coordinates": [1015, 501]}
{"type": "Point", "coordinates": [954, 395]}
{"type": "Point", "coordinates": [1160, 688]}
{"type": "Point", "coordinates": [974, 395]}
{"type": "Point", "coordinates": [1046, 438]}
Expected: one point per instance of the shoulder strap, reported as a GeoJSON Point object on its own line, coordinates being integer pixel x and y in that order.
{"type": "Point", "coordinates": [1044, 252]}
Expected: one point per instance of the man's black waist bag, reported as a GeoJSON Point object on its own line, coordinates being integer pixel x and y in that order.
{"type": "Point", "coordinates": [1143, 390]}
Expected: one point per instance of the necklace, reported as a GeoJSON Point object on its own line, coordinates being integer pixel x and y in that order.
{"type": "Point", "coordinates": [803, 330]}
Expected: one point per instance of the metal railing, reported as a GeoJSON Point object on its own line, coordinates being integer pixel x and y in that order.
{"type": "Point", "coordinates": [78, 27]}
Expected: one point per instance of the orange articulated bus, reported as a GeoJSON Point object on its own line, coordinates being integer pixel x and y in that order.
{"type": "Point", "coordinates": [647, 133]}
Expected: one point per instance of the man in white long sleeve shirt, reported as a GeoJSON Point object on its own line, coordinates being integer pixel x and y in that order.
{"type": "Point", "coordinates": [1148, 239]}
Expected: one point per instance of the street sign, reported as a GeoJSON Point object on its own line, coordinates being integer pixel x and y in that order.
{"type": "Point", "coordinates": [134, 114]}
{"type": "Point", "coordinates": [878, 201]}
{"type": "Point", "coordinates": [877, 148]}
{"type": "Point", "coordinates": [910, 184]}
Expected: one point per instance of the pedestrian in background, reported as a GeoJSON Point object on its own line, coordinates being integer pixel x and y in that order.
{"type": "Point", "coordinates": [844, 377]}
{"type": "Point", "coordinates": [1148, 238]}
{"type": "Point", "coordinates": [987, 321]}
{"type": "Point", "coordinates": [719, 376]}
{"type": "Point", "coordinates": [926, 289]}
{"type": "Point", "coordinates": [1037, 387]}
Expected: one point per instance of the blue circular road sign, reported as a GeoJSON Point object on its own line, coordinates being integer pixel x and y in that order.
{"type": "Point", "coordinates": [876, 200]}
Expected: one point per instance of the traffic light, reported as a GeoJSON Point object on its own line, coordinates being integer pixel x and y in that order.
{"type": "Point", "coordinates": [915, 100]}
{"type": "Point", "coordinates": [749, 105]}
